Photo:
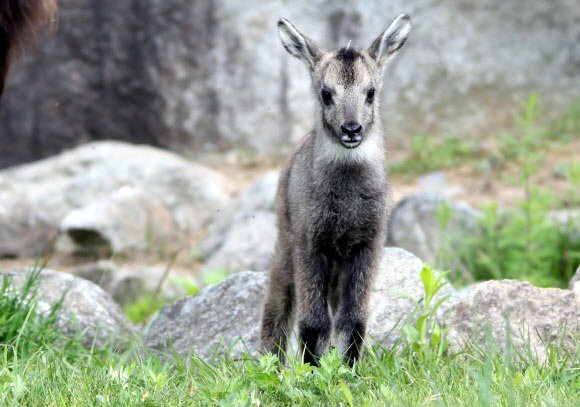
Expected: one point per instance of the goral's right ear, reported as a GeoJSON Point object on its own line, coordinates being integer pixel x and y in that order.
{"type": "Point", "coordinates": [298, 44]}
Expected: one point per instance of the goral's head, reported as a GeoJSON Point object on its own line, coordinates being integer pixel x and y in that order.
{"type": "Point", "coordinates": [346, 82]}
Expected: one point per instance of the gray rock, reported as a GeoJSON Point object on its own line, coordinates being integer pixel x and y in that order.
{"type": "Point", "coordinates": [129, 283]}
{"type": "Point", "coordinates": [536, 317]}
{"type": "Point", "coordinates": [86, 308]}
{"type": "Point", "coordinates": [126, 221]}
{"type": "Point", "coordinates": [247, 245]}
{"type": "Point", "coordinates": [206, 75]}
{"type": "Point", "coordinates": [416, 225]}
{"type": "Point", "coordinates": [53, 187]}
{"type": "Point", "coordinates": [229, 313]}
{"type": "Point", "coordinates": [242, 235]}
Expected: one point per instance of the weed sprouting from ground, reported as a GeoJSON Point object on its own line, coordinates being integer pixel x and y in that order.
{"type": "Point", "coordinates": [426, 335]}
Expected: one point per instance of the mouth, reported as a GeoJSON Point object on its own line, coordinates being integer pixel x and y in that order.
{"type": "Point", "coordinates": [350, 141]}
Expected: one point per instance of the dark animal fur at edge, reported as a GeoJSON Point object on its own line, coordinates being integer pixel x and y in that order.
{"type": "Point", "coordinates": [19, 20]}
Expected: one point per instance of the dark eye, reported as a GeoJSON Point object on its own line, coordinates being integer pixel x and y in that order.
{"type": "Point", "coordinates": [326, 96]}
{"type": "Point", "coordinates": [370, 95]}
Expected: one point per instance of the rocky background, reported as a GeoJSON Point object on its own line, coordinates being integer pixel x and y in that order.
{"type": "Point", "coordinates": [211, 75]}
{"type": "Point", "coordinates": [141, 146]}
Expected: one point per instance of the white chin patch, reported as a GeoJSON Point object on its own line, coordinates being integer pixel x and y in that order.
{"type": "Point", "coordinates": [369, 149]}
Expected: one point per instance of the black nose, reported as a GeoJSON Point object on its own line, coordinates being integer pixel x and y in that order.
{"type": "Point", "coordinates": [351, 128]}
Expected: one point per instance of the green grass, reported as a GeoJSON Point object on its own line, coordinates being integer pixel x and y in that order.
{"type": "Point", "coordinates": [566, 127]}
{"type": "Point", "coordinates": [54, 371]}
{"type": "Point", "coordinates": [145, 306]}
{"type": "Point", "coordinates": [47, 378]}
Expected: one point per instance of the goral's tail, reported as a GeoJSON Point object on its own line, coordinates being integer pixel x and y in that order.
{"type": "Point", "coordinates": [19, 20]}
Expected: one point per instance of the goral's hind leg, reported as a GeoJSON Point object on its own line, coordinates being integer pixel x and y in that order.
{"type": "Point", "coordinates": [279, 305]}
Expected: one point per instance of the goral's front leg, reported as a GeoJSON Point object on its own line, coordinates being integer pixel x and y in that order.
{"type": "Point", "coordinates": [354, 287]}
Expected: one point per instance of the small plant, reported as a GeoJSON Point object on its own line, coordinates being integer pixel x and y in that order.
{"type": "Point", "coordinates": [140, 310]}
{"type": "Point", "coordinates": [426, 334]}
{"type": "Point", "coordinates": [18, 315]}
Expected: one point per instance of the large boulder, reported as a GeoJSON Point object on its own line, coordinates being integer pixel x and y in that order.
{"type": "Point", "coordinates": [207, 74]}
{"type": "Point", "coordinates": [432, 227]}
{"type": "Point", "coordinates": [533, 318]}
{"type": "Point", "coordinates": [228, 314]}
{"type": "Point", "coordinates": [51, 188]}
{"type": "Point", "coordinates": [126, 221]}
{"type": "Point", "coordinates": [242, 235]}
{"type": "Point", "coordinates": [86, 309]}
{"type": "Point", "coordinates": [221, 316]}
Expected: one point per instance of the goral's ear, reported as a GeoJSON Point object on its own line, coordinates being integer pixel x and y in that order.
{"type": "Point", "coordinates": [390, 41]}
{"type": "Point", "coordinates": [298, 44]}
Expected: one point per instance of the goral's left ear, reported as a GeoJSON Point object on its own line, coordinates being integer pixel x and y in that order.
{"type": "Point", "coordinates": [390, 41]}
